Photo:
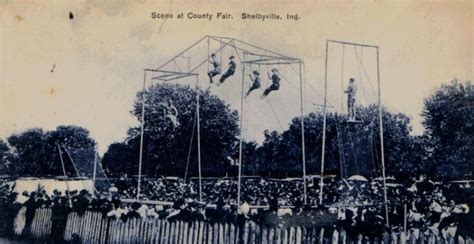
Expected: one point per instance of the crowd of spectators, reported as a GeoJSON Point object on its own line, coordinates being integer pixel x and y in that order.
{"type": "Point", "coordinates": [420, 206]}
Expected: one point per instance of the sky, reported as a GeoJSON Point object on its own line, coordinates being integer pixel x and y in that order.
{"type": "Point", "coordinates": [86, 71]}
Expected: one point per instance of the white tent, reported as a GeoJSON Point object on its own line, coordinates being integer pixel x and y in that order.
{"type": "Point", "coordinates": [49, 185]}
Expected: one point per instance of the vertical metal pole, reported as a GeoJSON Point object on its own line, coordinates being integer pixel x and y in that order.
{"type": "Point", "coordinates": [381, 140]}
{"type": "Point", "coordinates": [241, 133]}
{"type": "Point", "coordinates": [64, 171]}
{"type": "Point", "coordinates": [140, 159]}
{"type": "Point", "coordinates": [208, 53]}
{"type": "Point", "coordinates": [342, 75]}
{"type": "Point", "coordinates": [198, 138]}
{"type": "Point", "coordinates": [321, 183]}
{"type": "Point", "coordinates": [95, 167]}
{"type": "Point", "coordinates": [405, 219]}
{"type": "Point", "coordinates": [303, 152]}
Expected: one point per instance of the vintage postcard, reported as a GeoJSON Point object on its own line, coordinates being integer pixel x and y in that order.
{"type": "Point", "coordinates": [177, 121]}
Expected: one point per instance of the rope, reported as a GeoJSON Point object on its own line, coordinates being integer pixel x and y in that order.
{"type": "Point", "coordinates": [103, 172]}
{"type": "Point", "coordinates": [365, 72]}
{"type": "Point", "coordinates": [353, 154]}
{"type": "Point", "coordinates": [296, 89]}
{"type": "Point", "coordinates": [233, 47]}
{"type": "Point", "coordinates": [341, 150]}
{"type": "Point", "coordinates": [245, 122]}
{"type": "Point", "coordinates": [236, 52]}
{"type": "Point", "coordinates": [220, 53]}
{"type": "Point", "coordinates": [360, 73]}
{"type": "Point", "coordinates": [274, 113]}
{"type": "Point", "coordinates": [245, 129]}
{"type": "Point", "coordinates": [372, 147]}
{"type": "Point", "coordinates": [176, 65]}
{"type": "Point", "coordinates": [376, 155]}
{"type": "Point", "coordinates": [72, 161]}
{"type": "Point", "coordinates": [190, 147]}
{"type": "Point", "coordinates": [311, 86]}
{"type": "Point", "coordinates": [208, 58]}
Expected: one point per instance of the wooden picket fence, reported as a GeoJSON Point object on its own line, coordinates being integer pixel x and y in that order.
{"type": "Point", "coordinates": [40, 227]}
{"type": "Point", "coordinates": [93, 227]}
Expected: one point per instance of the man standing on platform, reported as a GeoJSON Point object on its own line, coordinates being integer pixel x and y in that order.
{"type": "Point", "coordinates": [351, 93]}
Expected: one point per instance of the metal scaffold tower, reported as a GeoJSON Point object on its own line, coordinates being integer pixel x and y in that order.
{"type": "Point", "coordinates": [249, 57]}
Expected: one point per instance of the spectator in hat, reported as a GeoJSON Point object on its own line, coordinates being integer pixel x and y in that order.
{"type": "Point", "coordinates": [230, 70]}
{"type": "Point", "coordinates": [133, 214]}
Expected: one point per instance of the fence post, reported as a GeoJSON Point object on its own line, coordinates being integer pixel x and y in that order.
{"type": "Point", "coordinates": [335, 237]}
{"type": "Point", "coordinates": [321, 236]}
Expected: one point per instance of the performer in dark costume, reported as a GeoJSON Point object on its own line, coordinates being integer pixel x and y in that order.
{"type": "Point", "coordinates": [275, 78]}
{"type": "Point", "coordinates": [256, 82]}
{"type": "Point", "coordinates": [230, 71]}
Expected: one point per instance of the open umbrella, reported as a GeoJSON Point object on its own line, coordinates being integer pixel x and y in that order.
{"type": "Point", "coordinates": [357, 178]}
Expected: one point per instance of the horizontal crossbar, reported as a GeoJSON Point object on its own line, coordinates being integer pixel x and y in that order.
{"type": "Point", "coordinates": [353, 44]}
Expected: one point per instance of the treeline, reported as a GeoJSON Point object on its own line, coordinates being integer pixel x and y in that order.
{"type": "Point", "coordinates": [444, 150]}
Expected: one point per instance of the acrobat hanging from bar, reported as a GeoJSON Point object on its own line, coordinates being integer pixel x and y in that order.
{"type": "Point", "coordinates": [170, 112]}
{"type": "Point", "coordinates": [216, 67]}
{"type": "Point", "coordinates": [255, 82]}
{"type": "Point", "coordinates": [275, 78]}
{"type": "Point", "coordinates": [351, 94]}
{"type": "Point", "coordinates": [230, 71]}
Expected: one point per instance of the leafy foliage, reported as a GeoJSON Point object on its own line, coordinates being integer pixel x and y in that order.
{"type": "Point", "coordinates": [449, 122]}
{"type": "Point", "coordinates": [446, 148]}
{"type": "Point", "coordinates": [35, 152]}
{"type": "Point", "coordinates": [165, 147]}
{"type": "Point", "coordinates": [351, 148]}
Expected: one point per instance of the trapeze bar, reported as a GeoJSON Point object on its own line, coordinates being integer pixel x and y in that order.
{"type": "Point", "coordinates": [217, 51]}
{"type": "Point", "coordinates": [171, 72]}
{"type": "Point", "coordinates": [162, 76]}
{"type": "Point", "coordinates": [152, 70]}
{"type": "Point", "coordinates": [354, 44]}
{"type": "Point", "coordinates": [176, 72]}
{"type": "Point", "coordinates": [182, 52]}
{"type": "Point", "coordinates": [177, 76]}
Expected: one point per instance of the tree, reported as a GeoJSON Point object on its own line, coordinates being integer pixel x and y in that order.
{"type": "Point", "coordinates": [449, 124]}
{"type": "Point", "coordinates": [166, 148]}
{"type": "Point", "coordinates": [36, 153]}
{"type": "Point", "coordinates": [351, 148]}
{"type": "Point", "coordinates": [121, 158]}
{"type": "Point", "coordinates": [31, 152]}
{"type": "Point", "coordinates": [5, 158]}
{"type": "Point", "coordinates": [77, 146]}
